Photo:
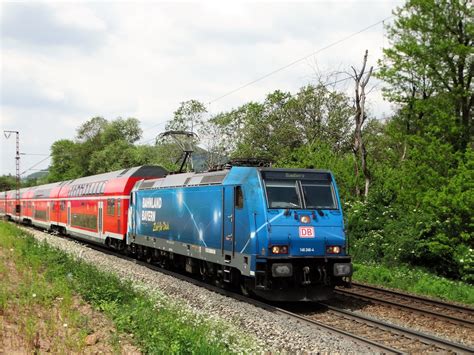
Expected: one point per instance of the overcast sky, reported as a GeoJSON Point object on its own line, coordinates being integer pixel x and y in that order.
{"type": "Point", "coordinates": [63, 63]}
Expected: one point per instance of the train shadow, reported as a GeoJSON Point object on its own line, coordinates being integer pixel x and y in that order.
{"type": "Point", "coordinates": [337, 301]}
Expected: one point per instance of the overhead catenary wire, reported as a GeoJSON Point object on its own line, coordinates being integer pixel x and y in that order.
{"type": "Point", "coordinates": [34, 154]}
{"type": "Point", "coordinates": [283, 68]}
{"type": "Point", "coordinates": [35, 165]}
{"type": "Point", "coordinates": [326, 84]}
{"type": "Point", "coordinates": [299, 60]}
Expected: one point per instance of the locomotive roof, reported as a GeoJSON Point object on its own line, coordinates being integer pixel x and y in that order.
{"type": "Point", "coordinates": [185, 179]}
{"type": "Point", "coordinates": [217, 177]}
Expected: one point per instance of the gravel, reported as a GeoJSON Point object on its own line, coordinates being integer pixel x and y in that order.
{"type": "Point", "coordinates": [271, 332]}
{"type": "Point", "coordinates": [405, 318]}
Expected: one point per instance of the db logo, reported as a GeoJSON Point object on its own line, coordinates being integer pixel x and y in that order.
{"type": "Point", "coordinates": [306, 232]}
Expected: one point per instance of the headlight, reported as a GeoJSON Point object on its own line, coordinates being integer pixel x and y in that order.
{"type": "Point", "coordinates": [305, 219]}
{"type": "Point", "coordinates": [280, 249]}
{"type": "Point", "coordinates": [342, 269]}
{"type": "Point", "coordinates": [333, 249]}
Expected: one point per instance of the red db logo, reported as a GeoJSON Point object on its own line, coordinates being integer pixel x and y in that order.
{"type": "Point", "coordinates": [306, 232]}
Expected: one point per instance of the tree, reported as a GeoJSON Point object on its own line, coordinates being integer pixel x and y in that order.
{"type": "Point", "coordinates": [120, 129]}
{"type": "Point", "coordinates": [100, 146]}
{"type": "Point", "coordinates": [429, 68]}
{"type": "Point", "coordinates": [7, 182]}
{"type": "Point", "coordinates": [285, 122]}
{"type": "Point", "coordinates": [92, 129]}
{"type": "Point", "coordinates": [188, 117]}
{"type": "Point", "coordinates": [323, 115]}
{"type": "Point", "coordinates": [65, 161]}
{"type": "Point", "coordinates": [361, 79]}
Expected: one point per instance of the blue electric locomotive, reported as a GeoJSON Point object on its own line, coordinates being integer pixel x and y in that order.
{"type": "Point", "coordinates": [277, 233]}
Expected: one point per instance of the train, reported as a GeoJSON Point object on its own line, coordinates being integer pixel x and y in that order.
{"type": "Point", "coordinates": [274, 233]}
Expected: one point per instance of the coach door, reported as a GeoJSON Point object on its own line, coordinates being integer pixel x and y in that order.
{"type": "Point", "coordinates": [228, 223]}
{"type": "Point", "coordinates": [69, 213]}
{"type": "Point", "coordinates": [100, 217]}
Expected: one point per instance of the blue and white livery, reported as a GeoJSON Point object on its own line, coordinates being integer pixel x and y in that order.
{"type": "Point", "coordinates": [277, 233]}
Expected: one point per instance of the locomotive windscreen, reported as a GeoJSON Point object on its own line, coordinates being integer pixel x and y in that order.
{"type": "Point", "coordinates": [297, 190]}
{"type": "Point", "coordinates": [283, 194]}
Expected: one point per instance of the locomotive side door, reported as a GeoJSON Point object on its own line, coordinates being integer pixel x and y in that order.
{"type": "Point", "coordinates": [228, 222]}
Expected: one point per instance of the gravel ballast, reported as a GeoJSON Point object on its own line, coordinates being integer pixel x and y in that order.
{"type": "Point", "coordinates": [271, 332]}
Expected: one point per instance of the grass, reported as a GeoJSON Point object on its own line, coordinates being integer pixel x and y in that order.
{"type": "Point", "coordinates": [414, 280]}
{"type": "Point", "coordinates": [36, 307]}
{"type": "Point", "coordinates": [156, 324]}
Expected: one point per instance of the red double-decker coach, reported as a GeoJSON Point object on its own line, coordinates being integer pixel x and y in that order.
{"type": "Point", "coordinates": [93, 208]}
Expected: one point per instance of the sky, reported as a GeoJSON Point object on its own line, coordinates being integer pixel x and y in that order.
{"type": "Point", "coordinates": [63, 63]}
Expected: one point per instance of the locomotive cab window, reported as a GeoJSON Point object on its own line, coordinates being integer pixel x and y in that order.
{"type": "Point", "coordinates": [296, 190]}
{"type": "Point", "coordinates": [319, 195]}
{"type": "Point", "coordinates": [283, 194]}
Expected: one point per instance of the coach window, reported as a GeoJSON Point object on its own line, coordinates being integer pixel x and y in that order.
{"type": "Point", "coordinates": [111, 207]}
{"type": "Point", "coordinates": [118, 206]}
{"type": "Point", "coordinates": [239, 197]}
{"type": "Point", "coordinates": [102, 187]}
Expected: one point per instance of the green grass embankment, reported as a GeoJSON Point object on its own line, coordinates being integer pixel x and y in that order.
{"type": "Point", "coordinates": [156, 324]}
{"type": "Point", "coordinates": [416, 281]}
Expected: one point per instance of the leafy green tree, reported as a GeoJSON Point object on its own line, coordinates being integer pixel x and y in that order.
{"type": "Point", "coordinates": [7, 182]}
{"type": "Point", "coordinates": [91, 130]}
{"type": "Point", "coordinates": [120, 129]}
{"type": "Point", "coordinates": [100, 146]}
{"type": "Point", "coordinates": [65, 161]}
{"type": "Point", "coordinates": [188, 117]}
{"type": "Point", "coordinates": [429, 68]}
{"type": "Point", "coordinates": [117, 155]}
{"type": "Point", "coordinates": [284, 122]}
{"type": "Point", "coordinates": [162, 154]}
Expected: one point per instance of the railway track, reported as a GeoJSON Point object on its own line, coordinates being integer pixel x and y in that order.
{"type": "Point", "coordinates": [456, 314]}
{"type": "Point", "coordinates": [380, 336]}
{"type": "Point", "coordinates": [376, 346]}
{"type": "Point", "coordinates": [403, 340]}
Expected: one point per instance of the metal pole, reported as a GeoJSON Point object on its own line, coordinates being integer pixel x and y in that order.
{"type": "Point", "coordinates": [17, 166]}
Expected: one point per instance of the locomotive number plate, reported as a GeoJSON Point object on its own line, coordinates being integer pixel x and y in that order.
{"type": "Point", "coordinates": [306, 232]}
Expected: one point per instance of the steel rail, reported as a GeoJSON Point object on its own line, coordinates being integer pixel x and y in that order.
{"type": "Point", "coordinates": [424, 338]}
{"type": "Point", "coordinates": [414, 300]}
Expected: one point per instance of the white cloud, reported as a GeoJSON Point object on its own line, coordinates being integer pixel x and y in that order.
{"type": "Point", "coordinates": [63, 63]}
